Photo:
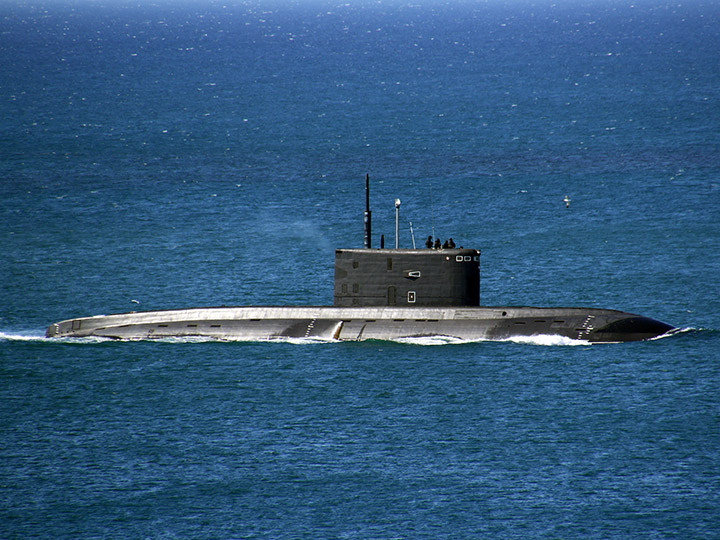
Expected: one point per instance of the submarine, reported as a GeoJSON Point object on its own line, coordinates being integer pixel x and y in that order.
{"type": "Point", "coordinates": [381, 294]}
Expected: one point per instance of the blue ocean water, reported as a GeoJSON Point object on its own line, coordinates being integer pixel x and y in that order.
{"type": "Point", "coordinates": [176, 154]}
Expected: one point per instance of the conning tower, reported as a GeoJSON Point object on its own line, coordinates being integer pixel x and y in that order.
{"type": "Point", "coordinates": [405, 277]}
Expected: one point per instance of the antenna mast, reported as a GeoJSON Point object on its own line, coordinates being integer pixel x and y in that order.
{"type": "Point", "coordinates": [368, 219]}
{"type": "Point", "coordinates": [397, 223]}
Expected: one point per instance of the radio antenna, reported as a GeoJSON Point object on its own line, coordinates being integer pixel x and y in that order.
{"type": "Point", "coordinates": [397, 223]}
{"type": "Point", "coordinates": [432, 210]}
{"type": "Point", "coordinates": [368, 214]}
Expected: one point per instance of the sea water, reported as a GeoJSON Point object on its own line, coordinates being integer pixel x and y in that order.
{"type": "Point", "coordinates": [166, 155]}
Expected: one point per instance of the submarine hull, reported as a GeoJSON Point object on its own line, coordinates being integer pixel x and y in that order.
{"type": "Point", "coordinates": [363, 323]}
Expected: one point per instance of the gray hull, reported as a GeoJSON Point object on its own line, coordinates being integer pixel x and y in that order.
{"type": "Point", "coordinates": [361, 323]}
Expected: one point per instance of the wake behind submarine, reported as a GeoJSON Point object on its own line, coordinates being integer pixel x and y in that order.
{"type": "Point", "coordinates": [386, 294]}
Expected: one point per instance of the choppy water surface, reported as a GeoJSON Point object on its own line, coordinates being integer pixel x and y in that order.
{"type": "Point", "coordinates": [167, 156]}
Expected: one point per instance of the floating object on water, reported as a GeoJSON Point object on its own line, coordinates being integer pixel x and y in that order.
{"type": "Point", "coordinates": [389, 294]}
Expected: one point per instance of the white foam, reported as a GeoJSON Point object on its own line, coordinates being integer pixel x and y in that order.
{"type": "Point", "coordinates": [548, 340]}
{"type": "Point", "coordinates": [225, 339]}
{"type": "Point", "coordinates": [675, 332]}
{"type": "Point", "coordinates": [7, 336]}
{"type": "Point", "coordinates": [431, 340]}
{"type": "Point", "coordinates": [304, 340]}
{"type": "Point", "coordinates": [39, 338]}
{"type": "Point", "coordinates": [543, 340]}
